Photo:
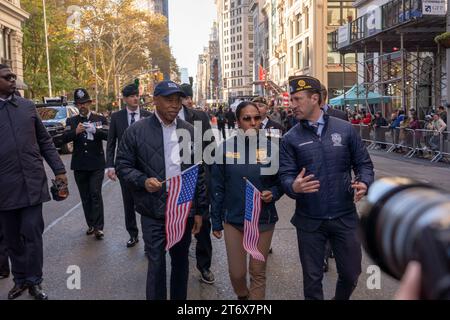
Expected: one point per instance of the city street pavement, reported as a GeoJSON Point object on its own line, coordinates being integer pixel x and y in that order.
{"type": "Point", "coordinates": [110, 271]}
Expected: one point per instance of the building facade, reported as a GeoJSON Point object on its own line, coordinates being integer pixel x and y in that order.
{"type": "Point", "coordinates": [235, 25]}
{"type": "Point", "coordinates": [11, 36]}
{"type": "Point", "coordinates": [300, 42]}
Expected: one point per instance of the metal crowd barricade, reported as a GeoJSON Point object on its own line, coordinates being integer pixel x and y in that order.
{"type": "Point", "coordinates": [365, 131]}
{"type": "Point", "coordinates": [407, 140]}
{"type": "Point", "coordinates": [444, 146]}
{"type": "Point", "coordinates": [382, 138]}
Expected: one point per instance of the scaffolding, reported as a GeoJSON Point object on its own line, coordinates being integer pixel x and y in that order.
{"type": "Point", "coordinates": [400, 60]}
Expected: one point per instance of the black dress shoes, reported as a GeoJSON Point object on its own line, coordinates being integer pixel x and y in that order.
{"type": "Point", "coordinates": [16, 291]}
{"type": "Point", "coordinates": [99, 235]}
{"type": "Point", "coordinates": [132, 242]}
{"type": "Point", "coordinates": [90, 231]}
{"type": "Point", "coordinates": [37, 292]}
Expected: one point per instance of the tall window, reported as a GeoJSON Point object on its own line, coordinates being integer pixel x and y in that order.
{"type": "Point", "coordinates": [299, 54]}
{"type": "Point", "coordinates": [340, 12]}
{"type": "Point", "coordinates": [306, 52]}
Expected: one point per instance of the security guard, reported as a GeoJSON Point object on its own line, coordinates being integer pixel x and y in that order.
{"type": "Point", "coordinates": [87, 131]}
{"type": "Point", "coordinates": [316, 159]}
{"type": "Point", "coordinates": [203, 249]}
{"type": "Point", "coordinates": [121, 121]}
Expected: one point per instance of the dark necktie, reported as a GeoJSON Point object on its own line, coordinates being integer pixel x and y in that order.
{"type": "Point", "coordinates": [316, 128]}
{"type": "Point", "coordinates": [133, 120]}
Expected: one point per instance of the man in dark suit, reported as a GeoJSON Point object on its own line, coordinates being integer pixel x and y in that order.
{"type": "Point", "coordinates": [268, 124]}
{"type": "Point", "coordinates": [329, 109]}
{"type": "Point", "coordinates": [203, 250]}
{"type": "Point", "coordinates": [87, 131]}
{"type": "Point", "coordinates": [120, 121]}
{"type": "Point", "coordinates": [4, 263]}
{"type": "Point", "coordinates": [23, 186]}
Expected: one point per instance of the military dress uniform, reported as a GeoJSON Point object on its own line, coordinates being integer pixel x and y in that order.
{"type": "Point", "coordinates": [329, 149]}
{"type": "Point", "coordinates": [88, 163]}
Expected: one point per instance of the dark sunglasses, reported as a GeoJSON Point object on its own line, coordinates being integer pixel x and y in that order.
{"type": "Point", "coordinates": [249, 118]}
{"type": "Point", "coordinates": [10, 77]}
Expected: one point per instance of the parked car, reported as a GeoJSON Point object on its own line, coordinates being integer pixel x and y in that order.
{"type": "Point", "coordinates": [54, 117]}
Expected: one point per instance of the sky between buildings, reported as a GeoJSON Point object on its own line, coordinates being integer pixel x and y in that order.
{"type": "Point", "coordinates": [190, 23]}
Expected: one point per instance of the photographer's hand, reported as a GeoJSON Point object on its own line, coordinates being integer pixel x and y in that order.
{"type": "Point", "coordinates": [411, 283]}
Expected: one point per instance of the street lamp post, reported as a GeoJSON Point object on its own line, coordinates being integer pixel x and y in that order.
{"type": "Point", "coordinates": [50, 91]}
{"type": "Point", "coordinates": [95, 75]}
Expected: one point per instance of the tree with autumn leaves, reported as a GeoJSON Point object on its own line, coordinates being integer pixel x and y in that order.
{"type": "Point", "coordinates": [113, 38]}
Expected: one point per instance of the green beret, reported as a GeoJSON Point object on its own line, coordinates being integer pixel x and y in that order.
{"type": "Point", "coordinates": [187, 89]}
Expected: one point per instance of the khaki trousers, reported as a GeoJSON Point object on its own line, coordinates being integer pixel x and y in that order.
{"type": "Point", "coordinates": [237, 263]}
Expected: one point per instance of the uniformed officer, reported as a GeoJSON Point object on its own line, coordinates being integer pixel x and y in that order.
{"type": "Point", "coordinates": [316, 159]}
{"type": "Point", "coordinates": [87, 131]}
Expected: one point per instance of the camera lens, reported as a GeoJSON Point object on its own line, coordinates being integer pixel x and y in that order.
{"type": "Point", "coordinates": [397, 213]}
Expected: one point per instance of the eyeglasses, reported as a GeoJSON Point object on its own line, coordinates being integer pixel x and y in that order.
{"type": "Point", "coordinates": [249, 118]}
{"type": "Point", "coordinates": [10, 77]}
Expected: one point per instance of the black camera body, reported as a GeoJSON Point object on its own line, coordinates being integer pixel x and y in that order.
{"type": "Point", "coordinates": [406, 220]}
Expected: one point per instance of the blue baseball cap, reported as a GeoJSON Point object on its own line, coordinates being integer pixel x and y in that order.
{"type": "Point", "coordinates": [167, 88]}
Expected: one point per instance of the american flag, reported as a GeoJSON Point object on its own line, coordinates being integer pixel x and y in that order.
{"type": "Point", "coordinates": [251, 221]}
{"type": "Point", "coordinates": [179, 202]}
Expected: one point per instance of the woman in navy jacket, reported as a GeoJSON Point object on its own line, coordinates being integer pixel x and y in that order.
{"type": "Point", "coordinates": [245, 155]}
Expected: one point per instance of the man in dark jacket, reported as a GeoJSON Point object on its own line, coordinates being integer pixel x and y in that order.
{"type": "Point", "coordinates": [316, 159]}
{"type": "Point", "coordinates": [23, 185]}
{"type": "Point", "coordinates": [231, 120]}
{"type": "Point", "coordinates": [329, 109]}
{"type": "Point", "coordinates": [203, 249]}
{"type": "Point", "coordinates": [150, 153]}
{"type": "Point", "coordinates": [267, 123]}
{"type": "Point", "coordinates": [87, 131]}
{"type": "Point", "coordinates": [221, 120]}
{"type": "Point", "coordinates": [120, 121]}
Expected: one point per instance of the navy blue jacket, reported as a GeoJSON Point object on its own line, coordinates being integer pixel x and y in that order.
{"type": "Point", "coordinates": [228, 184]}
{"type": "Point", "coordinates": [330, 158]}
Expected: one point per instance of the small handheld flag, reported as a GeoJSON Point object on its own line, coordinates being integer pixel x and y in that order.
{"type": "Point", "coordinates": [251, 221]}
{"type": "Point", "coordinates": [180, 196]}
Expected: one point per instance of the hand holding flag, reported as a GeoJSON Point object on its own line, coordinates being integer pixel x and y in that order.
{"type": "Point", "coordinates": [251, 221]}
{"type": "Point", "coordinates": [180, 196]}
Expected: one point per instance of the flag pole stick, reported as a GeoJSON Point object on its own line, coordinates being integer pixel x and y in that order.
{"type": "Point", "coordinates": [190, 168]}
{"type": "Point", "coordinates": [245, 178]}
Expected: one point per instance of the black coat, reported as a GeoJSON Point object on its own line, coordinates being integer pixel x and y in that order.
{"type": "Point", "coordinates": [88, 155]}
{"type": "Point", "coordinates": [24, 142]}
{"type": "Point", "coordinates": [274, 125]}
{"type": "Point", "coordinates": [117, 126]}
{"type": "Point", "coordinates": [141, 156]}
{"type": "Point", "coordinates": [337, 113]}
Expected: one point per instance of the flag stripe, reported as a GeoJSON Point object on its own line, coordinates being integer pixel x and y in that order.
{"type": "Point", "coordinates": [180, 195]}
{"type": "Point", "coordinates": [251, 221]}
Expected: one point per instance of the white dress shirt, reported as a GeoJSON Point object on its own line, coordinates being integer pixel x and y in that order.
{"type": "Point", "coordinates": [137, 115]}
{"type": "Point", "coordinates": [181, 114]}
{"type": "Point", "coordinates": [172, 158]}
{"type": "Point", "coordinates": [264, 123]}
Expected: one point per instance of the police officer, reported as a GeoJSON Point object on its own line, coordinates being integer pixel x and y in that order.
{"type": "Point", "coordinates": [120, 121]}
{"type": "Point", "coordinates": [203, 249]}
{"type": "Point", "coordinates": [87, 131]}
{"type": "Point", "coordinates": [316, 159]}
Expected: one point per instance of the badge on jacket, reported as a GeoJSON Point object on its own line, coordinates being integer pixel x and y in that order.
{"type": "Point", "coordinates": [337, 139]}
